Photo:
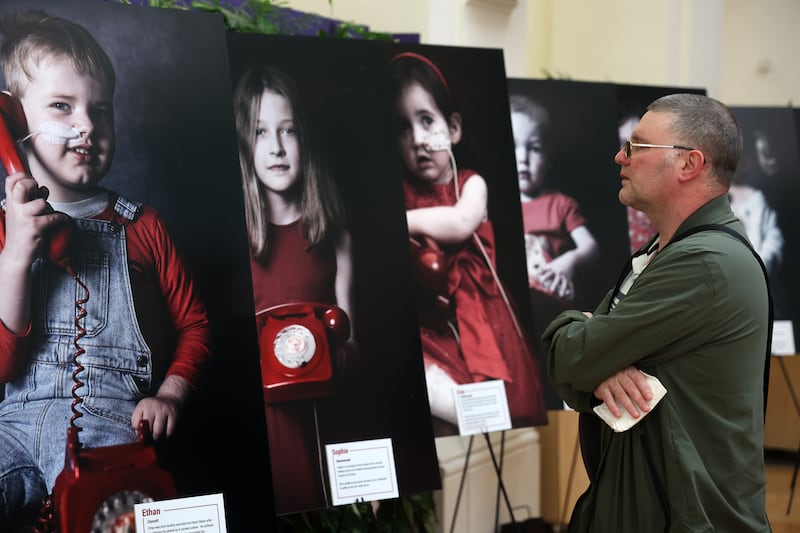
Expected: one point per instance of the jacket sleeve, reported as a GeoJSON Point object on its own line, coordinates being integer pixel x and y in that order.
{"type": "Point", "coordinates": [580, 401]}
{"type": "Point", "coordinates": [659, 319]}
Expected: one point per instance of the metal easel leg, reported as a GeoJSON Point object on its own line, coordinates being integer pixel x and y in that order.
{"type": "Point", "coordinates": [461, 483]}
{"type": "Point", "coordinates": [499, 472]}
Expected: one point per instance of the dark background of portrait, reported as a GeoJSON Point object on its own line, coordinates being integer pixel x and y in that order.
{"type": "Point", "coordinates": [176, 151]}
{"type": "Point", "coordinates": [781, 191]}
{"type": "Point", "coordinates": [635, 98]}
{"type": "Point", "coordinates": [582, 143]}
{"type": "Point", "coordinates": [477, 82]}
{"type": "Point", "coordinates": [344, 88]}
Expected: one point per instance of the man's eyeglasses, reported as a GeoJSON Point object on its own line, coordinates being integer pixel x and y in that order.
{"type": "Point", "coordinates": [626, 148]}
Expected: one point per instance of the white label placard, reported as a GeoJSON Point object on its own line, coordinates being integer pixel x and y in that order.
{"type": "Point", "coordinates": [482, 407]}
{"type": "Point", "coordinates": [783, 338]}
{"type": "Point", "coordinates": [362, 471]}
{"type": "Point", "coordinates": [196, 514]}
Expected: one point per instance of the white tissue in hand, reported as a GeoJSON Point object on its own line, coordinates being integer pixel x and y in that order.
{"type": "Point", "coordinates": [627, 421]}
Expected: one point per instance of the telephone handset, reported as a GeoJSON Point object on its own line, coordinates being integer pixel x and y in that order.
{"type": "Point", "coordinates": [13, 125]}
{"type": "Point", "coordinates": [98, 488]}
{"type": "Point", "coordinates": [296, 342]}
{"type": "Point", "coordinates": [429, 267]}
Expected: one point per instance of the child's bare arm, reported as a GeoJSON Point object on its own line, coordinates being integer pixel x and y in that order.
{"type": "Point", "coordinates": [585, 251]}
{"type": "Point", "coordinates": [452, 224]}
{"type": "Point", "coordinates": [344, 275]}
{"type": "Point", "coordinates": [346, 357]}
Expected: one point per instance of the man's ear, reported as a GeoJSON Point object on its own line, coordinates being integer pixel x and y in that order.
{"type": "Point", "coordinates": [692, 165]}
{"type": "Point", "coordinates": [454, 126]}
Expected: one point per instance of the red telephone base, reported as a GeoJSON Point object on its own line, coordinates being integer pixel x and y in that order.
{"type": "Point", "coordinates": [98, 487]}
{"type": "Point", "coordinates": [295, 341]}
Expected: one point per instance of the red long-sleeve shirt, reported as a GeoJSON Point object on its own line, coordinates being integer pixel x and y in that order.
{"type": "Point", "coordinates": [172, 318]}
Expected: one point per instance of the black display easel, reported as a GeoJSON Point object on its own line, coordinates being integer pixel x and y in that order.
{"type": "Point", "coordinates": [498, 468]}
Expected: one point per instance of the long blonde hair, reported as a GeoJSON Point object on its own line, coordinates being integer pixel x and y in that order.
{"type": "Point", "coordinates": [320, 205]}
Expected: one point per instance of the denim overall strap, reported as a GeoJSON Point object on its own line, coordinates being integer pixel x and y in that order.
{"type": "Point", "coordinates": [116, 360]}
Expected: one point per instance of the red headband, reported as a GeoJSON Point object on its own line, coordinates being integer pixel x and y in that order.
{"type": "Point", "coordinates": [413, 55]}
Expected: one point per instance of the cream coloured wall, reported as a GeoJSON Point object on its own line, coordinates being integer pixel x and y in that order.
{"type": "Point", "coordinates": [740, 51]}
{"type": "Point", "coordinates": [599, 41]}
{"type": "Point", "coordinates": [479, 23]}
{"type": "Point", "coordinates": [404, 16]}
{"type": "Point", "coordinates": [759, 61]}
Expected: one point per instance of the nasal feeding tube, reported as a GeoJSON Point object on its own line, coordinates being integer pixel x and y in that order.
{"type": "Point", "coordinates": [55, 132]}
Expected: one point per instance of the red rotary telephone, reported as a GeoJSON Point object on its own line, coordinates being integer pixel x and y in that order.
{"type": "Point", "coordinates": [296, 341]}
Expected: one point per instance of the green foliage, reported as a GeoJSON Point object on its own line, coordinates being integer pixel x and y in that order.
{"type": "Point", "coordinates": [350, 30]}
{"type": "Point", "coordinates": [265, 16]}
{"type": "Point", "coordinates": [408, 514]}
{"type": "Point", "coordinates": [555, 76]}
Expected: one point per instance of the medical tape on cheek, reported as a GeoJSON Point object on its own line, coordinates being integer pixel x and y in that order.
{"type": "Point", "coordinates": [55, 133]}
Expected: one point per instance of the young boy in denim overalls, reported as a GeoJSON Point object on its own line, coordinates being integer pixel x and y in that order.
{"type": "Point", "coordinates": [145, 336]}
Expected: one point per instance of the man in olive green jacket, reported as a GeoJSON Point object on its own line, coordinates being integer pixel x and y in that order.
{"type": "Point", "coordinates": [693, 312]}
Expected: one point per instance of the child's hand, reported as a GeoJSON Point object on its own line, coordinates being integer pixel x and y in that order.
{"type": "Point", "coordinates": [553, 282]}
{"type": "Point", "coordinates": [161, 414]}
{"type": "Point", "coordinates": [556, 276]}
{"type": "Point", "coordinates": [28, 218]}
{"type": "Point", "coordinates": [162, 410]}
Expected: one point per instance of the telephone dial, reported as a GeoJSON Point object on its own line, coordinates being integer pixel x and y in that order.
{"type": "Point", "coordinates": [13, 125]}
{"type": "Point", "coordinates": [296, 341]}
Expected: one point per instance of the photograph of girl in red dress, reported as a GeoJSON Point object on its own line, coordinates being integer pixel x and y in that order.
{"type": "Point", "coordinates": [461, 202]}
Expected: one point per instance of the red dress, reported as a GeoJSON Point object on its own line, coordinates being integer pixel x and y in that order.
{"type": "Point", "coordinates": [552, 215]}
{"type": "Point", "coordinates": [488, 344]}
{"type": "Point", "coordinates": [292, 272]}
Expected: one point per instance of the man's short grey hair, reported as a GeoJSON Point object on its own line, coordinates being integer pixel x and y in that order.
{"type": "Point", "coordinates": [707, 125]}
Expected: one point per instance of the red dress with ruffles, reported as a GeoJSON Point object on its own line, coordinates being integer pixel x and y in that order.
{"type": "Point", "coordinates": [481, 338]}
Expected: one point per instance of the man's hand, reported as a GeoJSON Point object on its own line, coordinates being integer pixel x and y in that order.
{"type": "Point", "coordinates": [629, 387]}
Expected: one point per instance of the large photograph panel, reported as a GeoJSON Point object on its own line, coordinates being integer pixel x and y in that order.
{"type": "Point", "coordinates": [454, 147]}
{"type": "Point", "coordinates": [176, 152]}
{"type": "Point", "coordinates": [322, 102]}
{"type": "Point", "coordinates": [762, 196]}
{"type": "Point", "coordinates": [565, 141]}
